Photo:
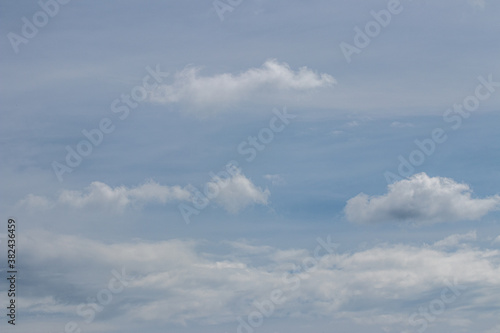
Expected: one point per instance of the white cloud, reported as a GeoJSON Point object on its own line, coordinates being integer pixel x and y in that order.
{"type": "Point", "coordinates": [238, 192]}
{"type": "Point", "coordinates": [233, 193]}
{"type": "Point", "coordinates": [420, 199]}
{"type": "Point", "coordinates": [353, 123]}
{"type": "Point", "coordinates": [36, 201]}
{"type": "Point", "coordinates": [497, 240]}
{"type": "Point", "coordinates": [275, 179]}
{"type": "Point", "coordinates": [99, 194]}
{"type": "Point", "coordinates": [336, 132]}
{"type": "Point", "coordinates": [481, 4]}
{"type": "Point", "coordinates": [223, 90]}
{"type": "Point", "coordinates": [174, 282]}
{"type": "Point", "coordinates": [456, 239]}
{"type": "Point", "coordinates": [248, 248]}
{"type": "Point", "coordinates": [398, 124]}
{"type": "Point", "coordinates": [119, 197]}
{"type": "Point", "coordinates": [44, 305]}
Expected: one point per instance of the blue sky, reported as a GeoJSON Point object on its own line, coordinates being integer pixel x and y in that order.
{"type": "Point", "coordinates": [228, 166]}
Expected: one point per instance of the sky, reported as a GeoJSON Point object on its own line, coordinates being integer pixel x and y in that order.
{"type": "Point", "coordinates": [251, 166]}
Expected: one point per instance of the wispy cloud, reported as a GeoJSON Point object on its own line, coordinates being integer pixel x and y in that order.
{"type": "Point", "coordinates": [481, 4]}
{"type": "Point", "coordinates": [116, 199]}
{"type": "Point", "coordinates": [222, 90]}
{"type": "Point", "coordinates": [398, 124]}
{"type": "Point", "coordinates": [233, 194]}
{"type": "Point", "coordinates": [456, 239]}
{"type": "Point", "coordinates": [353, 123]}
{"type": "Point", "coordinates": [275, 179]}
{"type": "Point", "coordinates": [99, 194]}
{"type": "Point", "coordinates": [119, 197]}
{"type": "Point", "coordinates": [423, 200]}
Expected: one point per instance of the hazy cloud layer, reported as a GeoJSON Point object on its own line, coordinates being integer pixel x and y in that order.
{"type": "Point", "coordinates": [173, 282]}
{"type": "Point", "coordinates": [420, 199]}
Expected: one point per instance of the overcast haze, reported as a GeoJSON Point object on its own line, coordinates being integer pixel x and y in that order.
{"type": "Point", "coordinates": [251, 165]}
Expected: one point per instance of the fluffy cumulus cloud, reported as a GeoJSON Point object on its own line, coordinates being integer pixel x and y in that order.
{"type": "Point", "coordinates": [191, 88]}
{"type": "Point", "coordinates": [238, 192]}
{"type": "Point", "coordinates": [172, 281]}
{"type": "Point", "coordinates": [422, 200]}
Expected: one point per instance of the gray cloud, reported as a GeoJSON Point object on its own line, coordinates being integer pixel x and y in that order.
{"type": "Point", "coordinates": [422, 200]}
{"type": "Point", "coordinates": [174, 283]}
